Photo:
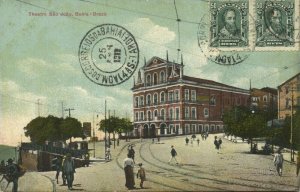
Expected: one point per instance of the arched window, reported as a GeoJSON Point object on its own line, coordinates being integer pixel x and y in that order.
{"type": "Point", "coordinates": [149, 99]}
{"type": "Point", "coordinates": [149, 115]}
{"type": "Point", "coordinates": [155, 79]}
{"type": "Point", "coordinates": [136, 102]}
{"type": "Point", "coordinates": [155, 113]}
{"type": "Point", "coordinates": [162, 114]}
{"type": "Point", "coordinates": [171, 113]}
{"type": "Point", "coordinates": [162, 77]}
{"type": "Point", "coordinates": [155, 98]}
{"type": "Point", "coordinates": [148, 80]}
{"type": "Point", "coordinates": [141, 100]}
{"type": "Point", "coordinates": [162, 97]}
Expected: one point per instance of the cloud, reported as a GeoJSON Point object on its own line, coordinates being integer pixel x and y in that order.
{"type": "Point", "coordinates": [146, 29]}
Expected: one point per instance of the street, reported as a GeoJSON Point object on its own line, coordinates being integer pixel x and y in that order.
{"type": "Point", "coordinates": [200, 168]}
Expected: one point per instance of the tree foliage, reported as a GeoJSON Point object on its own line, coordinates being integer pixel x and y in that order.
{"type": "Point", "coordinates": [242, 122]}
{"type": "Point", "coordinates": [52, 128]}
{"type": "Point", "coordinates": [116, 125]}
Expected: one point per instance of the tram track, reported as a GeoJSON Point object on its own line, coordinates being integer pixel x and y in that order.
{"type": "Point", "coordinates": [117, 160]}
{"type": "Point", "coordinates": [191, 174]}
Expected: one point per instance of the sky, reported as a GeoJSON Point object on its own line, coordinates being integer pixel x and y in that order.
{"type": "Point", "coordinates": [40, 70]}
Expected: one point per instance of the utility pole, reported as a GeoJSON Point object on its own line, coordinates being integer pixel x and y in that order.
{"type": "Point", "coordinates": [292, 112]}
{"type": "Point", "coordinates": [114, 136]}
{"type": "Point", "coordinates": [105, 130]}
{"type": "Point", "coordinates": [109, 126]}
{"type": "Point", "coordinates": [69, 109]}
{"type": "Point", "coordinates": [62, 109]}
{"type": "Point", "coordinates": [94, 135]}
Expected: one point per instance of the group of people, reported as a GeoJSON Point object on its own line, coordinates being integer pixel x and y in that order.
{"type": "Point", "coordinates": [217, 143]}
{"type": "Point", "coordinates": [66, 165]}
{"type": "Point", "coordinates": [128, 169]}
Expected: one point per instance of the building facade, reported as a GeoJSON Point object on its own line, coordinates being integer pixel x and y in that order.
{"type": "Point", "coordinates": [264, 99]}
{"type": "Point", "coordinates": [166, 102]}
{"type": "Point", "coordinates": [289, 97]}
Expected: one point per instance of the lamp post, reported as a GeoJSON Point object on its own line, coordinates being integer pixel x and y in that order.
{"type": "Point", "coordinates": [291, 141]}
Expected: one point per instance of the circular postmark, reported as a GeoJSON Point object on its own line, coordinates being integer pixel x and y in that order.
{"type": "Point", "coordinates": [108, 54]}
{"type": "Point", "coordinates": [224, 35]}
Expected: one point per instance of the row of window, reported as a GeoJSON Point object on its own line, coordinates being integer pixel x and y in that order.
{"type": "Point", "coordinates": [173, 95]}
{"type": "Point", "coordinates": [154, 80]}
{"type": "Point", "coordinates": [190, 128]}
{"type": "Point", "coordinates": [173, 114]}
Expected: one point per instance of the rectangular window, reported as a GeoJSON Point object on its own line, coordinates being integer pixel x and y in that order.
{"type": "Point", "coordinates": [171, 96]}
{"type": "Point", "coordinates": [193, 111]}
{"type": "Point", "coordinates": [177, 95]}
{"type": "Point", "coordinates": [193, 95]}
{"type": "Point", "coordinates": [186, 95]}
{"type": "Point", "coordinates": [177, 113]}
{"type": "Point", "coordinates": [186, 113]}
{"type": "Point", "coordinates": [212, 100]}
{"type": "Point", "coordinates": [187, 128]}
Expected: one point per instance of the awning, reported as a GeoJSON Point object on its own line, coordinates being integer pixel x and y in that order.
{"type": "Point", "coordinates": [275, 123]}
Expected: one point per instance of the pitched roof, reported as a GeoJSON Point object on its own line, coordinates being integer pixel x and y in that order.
{"type": "Point", "coordinates": [289, 80]}
{"type": "Point", "coordinates": [206, 81]}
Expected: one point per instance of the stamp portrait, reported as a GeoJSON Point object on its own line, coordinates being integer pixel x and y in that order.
{"type": "Point", "coordinates": [275, 23]}
{"type": "Point", "coordinates": [108, 54]}
{"type": "Point", "coordinates": [229, 24]}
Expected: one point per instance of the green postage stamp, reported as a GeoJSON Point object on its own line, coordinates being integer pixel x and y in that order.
{"type": "Point", "coordinates": [276, 23]}
{"type": "Point", "coordinates": [229, 24]}
{"type": "Point", "coordinates": [259, 25]}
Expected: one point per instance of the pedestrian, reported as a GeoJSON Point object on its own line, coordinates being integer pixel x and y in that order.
{"type": "Point", "coordinates": [186, 141]}
{"type": "Point", "coordinates": [58, 167]}
{"type": "Point", "coordinates": [128, 169]}
{"type": "Point", "coordinates": [298, 163]}
{"type": "Point", "coordinates": [173, 155]}
{"type": "Point", "coordinates": [63, 174]}
{"type": "Point", "coordinates": [198, 141]}
{"type": "Point", "coordinates": [13, 174]}
{"type": "Point", "coordinates": [278, 162]}
{"type": "Point", "coordinates": [220, 143]}
{"type": "Point", "coordinates": [118, 142]}
{"type": "Point", "coordinates": [216, 142]}
{"type": "Point", "coordinates": [69, 169]}
{"type": "Point", "coordinates": [142, 174]}
{"type": "Point", "coordinates": [131, 153]}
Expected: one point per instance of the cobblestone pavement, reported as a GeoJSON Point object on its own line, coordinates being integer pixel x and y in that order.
{"type": "Point", "coordinates": [200, 168]}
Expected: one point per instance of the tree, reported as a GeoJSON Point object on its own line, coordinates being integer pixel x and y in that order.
{"type": "Point", "coordinates": [116, 125]}
{"type": "Point", "coordinates": [52, 128]}
{"type": "Point", "coordinates": [71, 127]}
{"type": "Point", "coordinates": [242, 122]}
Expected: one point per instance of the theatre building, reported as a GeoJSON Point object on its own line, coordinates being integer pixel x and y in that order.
{"type": "Point", "coordinates": [166, 102]}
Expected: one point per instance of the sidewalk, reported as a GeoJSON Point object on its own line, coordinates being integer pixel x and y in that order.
{"type": "Point", "coordinates": [31, 181]}
{"type": "Point", "coordinates": [285, 152]}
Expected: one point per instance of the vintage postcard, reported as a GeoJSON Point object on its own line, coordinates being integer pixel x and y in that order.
{"type": "Point", "coordinates": [149, 95]}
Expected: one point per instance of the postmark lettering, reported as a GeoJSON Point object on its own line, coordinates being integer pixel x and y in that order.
{"type": "Point", "coordinates": [108, 54]}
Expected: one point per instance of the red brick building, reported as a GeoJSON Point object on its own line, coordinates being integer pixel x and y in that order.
{"type": "Point", "coordinates": [166, 102]}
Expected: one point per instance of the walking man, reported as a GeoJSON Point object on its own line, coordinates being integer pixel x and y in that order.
{"type": "Point", "coordinates": [186, 141]}
{"type": "Point", "coordinates": [198, 141]}
{"type": "Point", "coordinates": [69, 170]}
{"type": "Point", "coordinates": [141, 173]}
{"type": "Point", "coordinates": [220, 143]}
{"type": "Point", "coordinates": [298, 163]}
{"type": "Point", "coordinates": [173, 155]}
{"type": "Point", "coordinates": [131, 153]}
{"type": "Point", "coordinates": [216, 142]}
{"type": "Point", "coordinates": [128, 169]}
{"type": "Point", "coordinates": [58, 167]}
{"type": "Point", "coordinates": [278, 162]}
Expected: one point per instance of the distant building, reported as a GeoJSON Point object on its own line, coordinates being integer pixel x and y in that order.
{"type": "Point", "coordinates": [288, 95]}
{"type": "Point", "coordinates": [264, 99]}
{"type": "Point", "coordinates": [87, 129]}
{"type": "Point", "coordinates": [166, 102]}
